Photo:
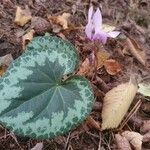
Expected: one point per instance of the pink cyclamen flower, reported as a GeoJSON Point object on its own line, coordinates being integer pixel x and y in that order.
{"type": "Point", "coordinates": [94, 30]}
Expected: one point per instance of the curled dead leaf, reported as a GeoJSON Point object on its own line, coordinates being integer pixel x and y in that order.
{"type": "Point", "coordinates": [92, 123]}
{"type": "Point", "coordinates": [134, 138]}
{"type": "Point", "coordinates": [112, 66]}
{"type": "Point", "coordinates": [136, 51]}
{"type": "Point", "coordinates": [122, 142]}
{"type": "Point", "coordinates": [61, 20]}
{"type": "Point", "coordinates": [27, 37]}
{"type": "Point", "coordinates": [116, 103]}
{"type": "Point", "coordinates": [22, 16]}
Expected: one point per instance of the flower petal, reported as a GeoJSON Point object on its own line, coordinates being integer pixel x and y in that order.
{"type": "Point", "coordinates": [90, 13]}
{"type": "Point", "coordinates": [113, 34]}
{"type": "Point", "coordinates": [89, 26]}
{"type": "Point", "coordinates": [97, 20]}
{"type": "Point", "coordinates": [101, 36]}
{"type": "Point", "coordinates": [89, 30]}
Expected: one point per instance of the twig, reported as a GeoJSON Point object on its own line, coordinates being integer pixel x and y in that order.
{"type": "Point", "coordinates": [100, 141]}
{"type": "Point", "coordinates": [91, 134]}
{"type": "Point", "coordinates": [67, 141]}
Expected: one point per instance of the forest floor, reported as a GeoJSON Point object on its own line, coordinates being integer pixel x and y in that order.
{"type": "Point", "coordinates": [131, 18]}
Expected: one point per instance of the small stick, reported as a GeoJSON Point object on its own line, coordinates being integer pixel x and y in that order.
{"type": "Point", "coordinates": [100, 141]}
{"type": "Point", "coordinates": [66, 145]}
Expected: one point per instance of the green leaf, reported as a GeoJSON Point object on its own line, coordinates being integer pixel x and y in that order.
{"type": "Point", "coordinates": [36, 99]}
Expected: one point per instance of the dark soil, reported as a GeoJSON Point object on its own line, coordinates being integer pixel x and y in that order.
{"type": "Point", "coordinates": [127, 18]}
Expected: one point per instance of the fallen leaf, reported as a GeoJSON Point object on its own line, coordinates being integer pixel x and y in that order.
{"type": "Point", "coordinates": [38, 146]}
{"type": "Point", "coordinates": [146, 137]}
{"type": "Point", "coordinates": [27, 37]}
{"type": "Point", "coordinates": [122, 142]}
{"type": "Point", "coordinates": [92, 123]}
{"type": "Point", "coordinates": [102, 56]}
{"type": "Point", "coordinates": [136, 51]}
{"type": "Point", "coordinates": [116, 103]}
{"type": "Point", "coordinates": [61, 20]}
{"type": "Point", "coordinates": [112, 66]}
{"type": "Point", "coordinates": [145, 127]}
{"type": "Point", "coordinates": [22, 16]}
{"type": "Point", "coordinates": [134, 138]}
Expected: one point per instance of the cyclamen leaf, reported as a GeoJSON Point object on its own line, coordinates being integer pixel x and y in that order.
{"type": "Point", "coordinates": [35, 99]}
{"type": "Point", "coordinates": [116, 104]}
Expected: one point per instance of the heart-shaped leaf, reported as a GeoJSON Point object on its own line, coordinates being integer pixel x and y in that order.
{"type": "Point", "coordinates": [36, 98]}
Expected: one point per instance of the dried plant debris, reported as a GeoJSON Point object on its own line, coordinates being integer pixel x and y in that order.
{"type": "Point", "coordinates": [134, 138]}
{"type": "Point", "coordinates": [122, 142]}
{"type": "Point", "coordinates": [40, 25]}
{"type": "Point", "coordinates": [61, 20]}
{"type": "Point", "coordinates": [23, 16]}
{"type": "Point", "coordinates": [38, 146]}
{"type": "Point", "coordinates": [146, 137]}
{"type": "Point", "coordinates": [27, 37]}
{"type": "Point", "coordinates": [145, 127]}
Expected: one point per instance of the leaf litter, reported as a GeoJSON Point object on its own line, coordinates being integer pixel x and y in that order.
{"type": "Point", "coordinates": [103, 79]}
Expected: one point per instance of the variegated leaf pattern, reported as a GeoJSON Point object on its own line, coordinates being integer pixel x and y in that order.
{"type": "Point", "coordinates": [36, 100]}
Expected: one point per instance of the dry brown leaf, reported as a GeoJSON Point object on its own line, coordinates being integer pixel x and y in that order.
{"type": "Point", "coordinates": [146, 137]}
{"type": "Point", "coordinates": [134, 138]}
{"type": "Point", "coordinates": [112, 66]}
{"type": "Point", "coordinates": [61, 20]}
{"type": "Point", "coordinates": [38, 146]}
{"type": "Point", "coordinates": [116, 103]}
{"type": "Point", "coordinates": [27, 38]}
{"type": "Point", "coordinates": [145, 127]}
{"type": "Point", "coordinates": [136, 51]}
{"type": "Point", "coordinates": [92, 123]}
{"type": "Point", "coordinates": [122, 142]}
{"type": "Point", "coordinates": [102, 56]}
{"type": "Point", "coordinates": [22, 16]}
